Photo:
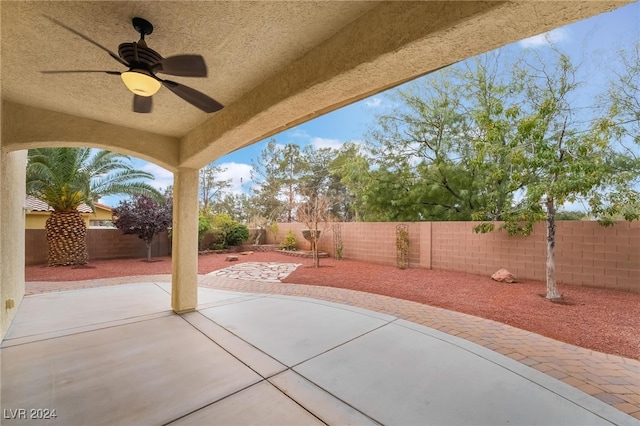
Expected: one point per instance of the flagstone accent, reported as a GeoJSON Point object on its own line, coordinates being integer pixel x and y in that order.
{"type": "Point", "coordinates": [257, 271]}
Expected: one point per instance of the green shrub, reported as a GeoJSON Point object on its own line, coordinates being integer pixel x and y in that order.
{"type": "Point", "coordinates": [233, 233]}
{"type": "Point", "coordinates": [238, 235]}
{"type": "Point", "coordinates": [204, 226]}
{"type": "Point", "coordinates": [290, 242]}
{"type": "Point", "coordinates": [214, 240]}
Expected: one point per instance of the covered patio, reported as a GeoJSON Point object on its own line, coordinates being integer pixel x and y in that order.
{"type": "Point", "coordinates": [158, 353]}
{"type": "Point", "coordinates": [271, 64]}
{"type": "Point", "coordinates": [117, 355]}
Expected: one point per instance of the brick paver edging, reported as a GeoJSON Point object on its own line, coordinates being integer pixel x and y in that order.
{"type": "Point", "coordinates": [610, 378]}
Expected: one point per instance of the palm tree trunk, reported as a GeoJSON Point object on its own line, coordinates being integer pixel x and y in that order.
{"type": "Point", "coordinates": [66, 239]}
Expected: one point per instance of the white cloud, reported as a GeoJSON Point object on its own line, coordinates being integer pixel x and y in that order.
{"type": "Point", "coordinates": [299, 134]}
{"type": "Point", "coordinates": [373, 102]}
{"type": "Point", "coordinates": [319, 143]}
{"type": "Point", "coordinates": [554, 36]}
{"type": "Point", "coordinates": [239, 173]}
{"type": "Point", "coordinates": [163, 177]}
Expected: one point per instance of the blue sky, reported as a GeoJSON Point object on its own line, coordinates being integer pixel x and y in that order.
{"type": "Point", "coordinates": [595, 40]}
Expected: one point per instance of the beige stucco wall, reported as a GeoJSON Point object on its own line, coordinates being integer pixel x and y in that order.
{"type": "Point", "coordinates": [184, 239]}
{"type": "Point", "coordinates": [100, 214]}
{"type": "Point", "coordinates": [37, 220]}
{"type": "Point", "coordinates": [26, 127]}
{"type": "Point", "coordinates": [12, 193]}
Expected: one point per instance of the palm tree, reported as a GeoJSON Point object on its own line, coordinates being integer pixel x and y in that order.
{"type": "Point", "coordinates": [65, 178]}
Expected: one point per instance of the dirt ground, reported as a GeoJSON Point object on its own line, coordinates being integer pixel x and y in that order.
{"type": "Point", "coordinates": [603, 320]}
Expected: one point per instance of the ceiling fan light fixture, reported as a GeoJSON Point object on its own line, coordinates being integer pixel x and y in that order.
{"type": "Point", "coordinates": [140, 83]}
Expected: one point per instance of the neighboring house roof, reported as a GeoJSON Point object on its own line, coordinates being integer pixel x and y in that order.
{"type": "Point", "coordinates": [35, 205]}
{"type": "Point", "coordinates": [102, 206]}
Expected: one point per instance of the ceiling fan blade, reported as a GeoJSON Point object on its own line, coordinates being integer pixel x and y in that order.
{"type": "Point", "coordinates": [195, 98]}
{"type": "Point", "coordinates": [182, 65]}
{"type": "Point", "coordinates": [80, 71]}
{"type": "Point", "coordinates": [95, 43]}
{"type": "Point", "coordinates": [142, 104]}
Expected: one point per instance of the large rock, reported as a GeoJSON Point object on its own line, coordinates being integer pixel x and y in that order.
{"type": "Point", "coordinates": [503, 276]}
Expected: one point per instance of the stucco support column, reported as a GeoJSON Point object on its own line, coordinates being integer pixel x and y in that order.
{"type": "Point", "coordinates": [12, 195]}
{"type": "Point", "coordinates": [184, 279]}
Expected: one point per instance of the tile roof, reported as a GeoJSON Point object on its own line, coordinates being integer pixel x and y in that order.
{"type": "Point", "coordinates": [36, 205]}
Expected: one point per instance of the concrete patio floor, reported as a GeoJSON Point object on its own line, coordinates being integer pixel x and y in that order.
{"type": "Point", "coordinates": [118, 355]}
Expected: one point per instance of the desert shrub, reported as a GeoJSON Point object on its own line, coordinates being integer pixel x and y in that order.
{"type": "Point", "coordinates": [273, 228]}
{"type": "Point", "coordinates": [290, 242]}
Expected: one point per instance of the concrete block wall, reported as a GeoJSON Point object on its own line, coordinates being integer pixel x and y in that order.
{"type": "Point", "coordinates": [366, 241]}
{"type": "Point", "coordinates": [586, 253]}
{"type": "Point", "coordinates": [101, 244]}
{"type": "Point", "coordinates": [376, 242]}
{"type": "Point", "coordinates": [456, 247]}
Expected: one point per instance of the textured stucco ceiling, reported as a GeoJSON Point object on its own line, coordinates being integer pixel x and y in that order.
{"type": "Point", "coordinates": [272, 64]}
{"type": "Point", "coordinates": [243, 43]}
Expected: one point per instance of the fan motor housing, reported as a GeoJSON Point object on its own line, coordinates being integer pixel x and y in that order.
{"type": "Point", "coordinates": [146, 56]}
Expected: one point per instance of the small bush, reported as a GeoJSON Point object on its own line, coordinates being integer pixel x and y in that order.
{"type": "Point", "coordinates": [273, 228]}
{"type": "Point", "coordinates": [339, 248]}
{"type": "Point", "coordinates": [213, 240]}
{"type": "Point", "coordinates": [290, 242]}
{"type": "Point", "coordinates": [232, 232]}
{"type": "Point", "coordinates": [204, 226]}
{"type": "Point", "coordinates": [237, 235]}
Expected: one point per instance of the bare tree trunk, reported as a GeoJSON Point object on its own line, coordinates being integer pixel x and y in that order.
{"type": "Point", "coordinates": [290, 207]}
{"type": "Point", "coordinates": [552, 288]}
{"type": "Point", "coordinates": [148, 244]}
{"type": "Point", "coordinates": [316, 259]}
{"type": "Point", "coordinates": [314, 248]}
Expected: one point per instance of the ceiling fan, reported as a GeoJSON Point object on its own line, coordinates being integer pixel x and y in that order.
{"type": "Point", "coordinates": [144, 63]}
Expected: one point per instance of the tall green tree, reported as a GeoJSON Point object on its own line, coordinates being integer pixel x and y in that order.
{"type": "Point", "coordinates": [211, 186]}
{"type": "Point", "coordinates": [622, 122]}
{"type": "Point", "coordinates": [414, 150]}
{"type": "Point", "coordinates": [443, 153]}
{"type": "Point", "coordinates": [320, 178]}
{"type": "Point", "coordinates": [65, 178]}
{"type": "Point", "coordinates": [561, 157]}
{"type": "Point", "coordinates": [491, 95]}
{"type": "Point", "coordinates": [238, 206]}
{"type": "Point", "coordinates": [623, 97]}
{"type": "Point", "coordinates": [276, 173]}
{"type": "Point", "coordinates": [351, 168]}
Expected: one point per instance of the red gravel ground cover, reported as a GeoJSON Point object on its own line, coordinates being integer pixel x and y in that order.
{"type": "Point", "coordinates": [603, 320]}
